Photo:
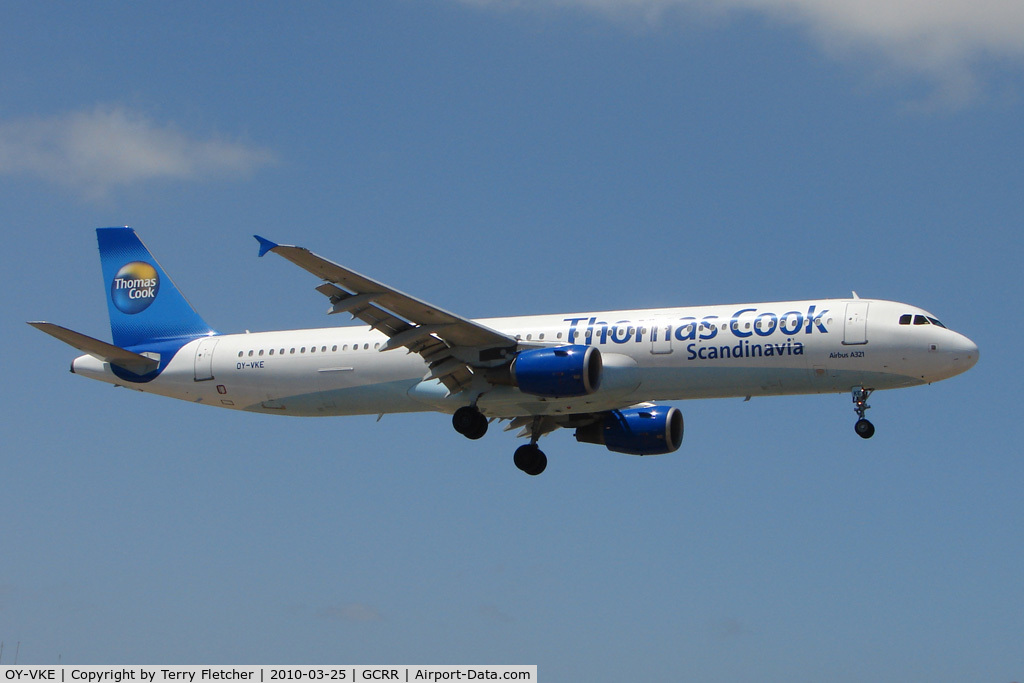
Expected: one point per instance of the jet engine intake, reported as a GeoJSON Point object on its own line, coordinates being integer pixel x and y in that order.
{"type": "Point", "coordinates": [572, 370]}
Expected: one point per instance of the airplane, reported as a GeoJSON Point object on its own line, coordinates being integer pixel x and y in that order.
{"type": "Point", "coordinates": [600, 373]}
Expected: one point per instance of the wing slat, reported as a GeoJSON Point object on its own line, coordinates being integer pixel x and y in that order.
{"type": "Point", "coordinates": [458, 331]}
{"type": "Point", "coordinates": [431, 332]}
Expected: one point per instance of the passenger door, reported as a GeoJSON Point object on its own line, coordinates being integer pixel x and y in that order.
{"type": "Point", "coordinates": [855, 328]}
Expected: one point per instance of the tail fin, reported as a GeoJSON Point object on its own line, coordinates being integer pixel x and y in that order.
{"type": "Point", "coordinates": [144, 304]}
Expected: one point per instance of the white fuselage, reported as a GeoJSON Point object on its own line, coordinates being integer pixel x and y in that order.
{"type": "Point", "coordinates": [794, 347]}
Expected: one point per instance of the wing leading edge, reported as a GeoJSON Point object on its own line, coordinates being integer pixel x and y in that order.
{"type": "Point", "coordinates": [452, 346]}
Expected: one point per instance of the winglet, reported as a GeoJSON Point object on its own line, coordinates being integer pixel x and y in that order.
{"type": "Point", "coordinates": [265, 244]}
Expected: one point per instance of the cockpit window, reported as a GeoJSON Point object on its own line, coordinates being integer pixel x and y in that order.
{"type": "Point", "coordinates": [908, 319]}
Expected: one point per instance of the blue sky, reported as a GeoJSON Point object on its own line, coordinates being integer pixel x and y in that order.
{"type": "Point", "coordinates": [502, 159]}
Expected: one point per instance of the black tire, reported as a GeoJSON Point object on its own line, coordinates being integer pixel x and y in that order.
{"type": "Point", "coordinates": [523, 457]}
{"type": "Point", "coordinates": [539, 465]}
{"type": "Point", "coordinates": [864, 429]}
{"type": "Point", "coordinates": [479, 430]}
{"type": "Point", "coordinates": [530, 459]}
{"type": "Point", "coordinates": [469, 422]}
{"type": "Point", "coordinates": [463, 419]}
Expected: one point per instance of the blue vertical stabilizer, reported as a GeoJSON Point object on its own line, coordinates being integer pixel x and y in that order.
{"type": "Point", "coordinates": [144, 305]}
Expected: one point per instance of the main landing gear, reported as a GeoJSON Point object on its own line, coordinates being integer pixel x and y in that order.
{"type": "Point", "coordinates": [469, 422]}
{"type": "Point", "coordinates": [472, 424]}
{"type": "Point", "coordinates": [530, 459]}
{"type": "Point", "coordinates": [863, 427]}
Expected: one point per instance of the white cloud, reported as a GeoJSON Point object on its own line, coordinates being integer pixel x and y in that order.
{"type": "Point", "coordinates": [96, 150]}
{"type": "Point", "coordinates": [944, 40]}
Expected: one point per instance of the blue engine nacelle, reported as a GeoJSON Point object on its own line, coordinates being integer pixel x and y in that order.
{"type": "Point", "coordinates": [637, 431]}
{"type": "Point", "coordinates": [573, 370]}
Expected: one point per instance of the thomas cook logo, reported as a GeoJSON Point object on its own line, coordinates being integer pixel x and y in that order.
{"type": "Point", "coordinates": [134, 287]}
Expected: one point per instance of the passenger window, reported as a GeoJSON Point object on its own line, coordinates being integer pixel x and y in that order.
{"type": "Point", "coordinates": [312, 349]}
{"type": "Point", "coordinates": [241, 353]}
{"type": "Point", "coordinates": [250, 353]}
{"type": "Point", "coordinates": [293, 350]}
{"type": "Point", "coordinates": [905, 319]}
{"type": "Point", "coordinates": [261, 352]}
{"type": "Point", "coordinates": [302, 349]}
{"type": "Point", "coordinates": [334, 348]}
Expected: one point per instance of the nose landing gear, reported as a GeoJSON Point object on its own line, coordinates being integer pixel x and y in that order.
{"type": "Point", "coordinates": [863, 427]}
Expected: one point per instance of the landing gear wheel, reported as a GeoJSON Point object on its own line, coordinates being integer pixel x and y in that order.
{"type": "Point", "coordinates": [469, 422]}
{"type": "Point", "coordinates": [530, 459]}
{"type": "Point", "coordinates": [864, 429]}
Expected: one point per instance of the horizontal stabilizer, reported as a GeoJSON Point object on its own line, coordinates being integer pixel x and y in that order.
{"type": "Point", "coordinates": [115, 355]}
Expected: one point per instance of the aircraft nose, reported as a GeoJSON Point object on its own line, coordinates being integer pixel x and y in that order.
{"type": "Point", "coordinates": [964, 352]}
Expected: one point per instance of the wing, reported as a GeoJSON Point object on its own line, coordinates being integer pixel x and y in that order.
{"type": "Point", "coordinates": [452, 346]}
